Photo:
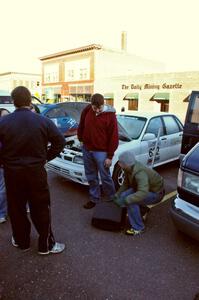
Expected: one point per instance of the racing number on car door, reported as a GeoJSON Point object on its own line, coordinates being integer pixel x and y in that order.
{"type": "Point", "coordinates": [155, 126]}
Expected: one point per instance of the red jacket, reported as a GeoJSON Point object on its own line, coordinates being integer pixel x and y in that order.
{"type": "Point", "coordinates": [99, 132]}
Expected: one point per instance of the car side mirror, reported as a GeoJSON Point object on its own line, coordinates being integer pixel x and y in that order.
{"type": "Point", "coordinates": [149, 136]}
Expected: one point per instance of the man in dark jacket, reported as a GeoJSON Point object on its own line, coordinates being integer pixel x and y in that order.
{"type": "Point", "coordinates": [99, 133]}
{"type": "Point", "coordinates": [142, 186]}
{"type": "Point", "coordinates": [25, 138]}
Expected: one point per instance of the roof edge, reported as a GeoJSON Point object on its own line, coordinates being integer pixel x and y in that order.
{"type": "Point", "coordinates": [72, 51]}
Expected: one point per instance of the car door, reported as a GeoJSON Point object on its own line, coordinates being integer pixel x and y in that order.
{"type": "Point", "coordinates": [149, 148]}
{"type": "Point", "coordinates": [174, 131]}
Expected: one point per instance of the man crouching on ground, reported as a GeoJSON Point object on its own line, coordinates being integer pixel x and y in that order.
{"type": "Point", "coordinates": [142, 186]}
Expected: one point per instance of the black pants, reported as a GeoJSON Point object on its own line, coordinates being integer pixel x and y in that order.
{"type": "Point", "coordinates": [29, 184]}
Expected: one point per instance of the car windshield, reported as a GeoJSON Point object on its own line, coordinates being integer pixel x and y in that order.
{"type": "Point", "coordinates": [73, 109]}
{"type": "Point", "coordinates": [133, 125]}
{"type": "Point", "coordinates": [42, 107]}
{"type": "Point", "coordinates": [61, 110]}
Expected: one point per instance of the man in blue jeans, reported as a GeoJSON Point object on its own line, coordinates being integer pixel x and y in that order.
{"type": "Point", "coordinates": [142, 186]}
{"type": "Point", "coordinates": [99, 133]}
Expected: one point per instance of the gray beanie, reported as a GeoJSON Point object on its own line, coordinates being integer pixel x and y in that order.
{"type": "Point", "coordinates": [127, 158]}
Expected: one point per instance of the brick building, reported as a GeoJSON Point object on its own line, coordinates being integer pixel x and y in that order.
{"type": "Point", "coordinates": [74, 74]}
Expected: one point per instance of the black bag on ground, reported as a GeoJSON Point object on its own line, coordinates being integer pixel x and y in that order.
{"type": "Point", "coordinates": [108, 216]}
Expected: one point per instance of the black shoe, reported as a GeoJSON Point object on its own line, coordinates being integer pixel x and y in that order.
{"type": "Point", "coordinates": [17, 246]}
{"type": "Point", "coordinates": [89, 205]}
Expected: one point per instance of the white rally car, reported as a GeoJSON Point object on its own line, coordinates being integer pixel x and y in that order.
{"type": "Point", "coordinates": [155, 139]}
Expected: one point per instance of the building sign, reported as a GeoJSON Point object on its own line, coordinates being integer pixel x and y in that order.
{"type": "Point", "coordinates": [148, 86]}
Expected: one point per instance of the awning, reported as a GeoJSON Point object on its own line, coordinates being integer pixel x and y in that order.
{"type": "Point", "coordinates": [108, 96]}
{"type": "Point", "coordinates": [187, 98]}
{"type": "Point", "coordinates": [160, 97]}
{"type": "Point", "coordinates": [131, 96]}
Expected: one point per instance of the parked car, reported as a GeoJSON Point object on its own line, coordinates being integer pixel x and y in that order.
{"type": "Point", "coordinates": [185, 207]}
{"type": "Point", "coordinates": [65, 115]}
{"type": "Point", "coordinates": [155, 139]}
{"type": "Point", "coordinates": [6, 102]}
{"type": "Point", "coordinates": [191, 125]}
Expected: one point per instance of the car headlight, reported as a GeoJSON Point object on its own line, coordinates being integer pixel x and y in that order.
{"type": "Point", "coordinates": [78, 160]}
{"type": "Point", "coordinates": [190, 182]}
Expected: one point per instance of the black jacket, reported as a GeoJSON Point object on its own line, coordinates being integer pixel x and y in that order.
{"type": "Point", "coordinates": [24, 138]}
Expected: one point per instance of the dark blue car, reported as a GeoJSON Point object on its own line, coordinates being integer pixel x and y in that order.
{"type": "Point", "coordinates": [185, 207]}
{"type": "Point", "coordinates": [65, 115]}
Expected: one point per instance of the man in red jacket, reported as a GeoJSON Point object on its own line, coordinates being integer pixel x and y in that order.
{"type": "Point", "coordinates": [99, 133]}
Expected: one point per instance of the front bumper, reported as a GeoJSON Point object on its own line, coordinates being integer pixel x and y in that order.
{"type": "Point", "coordinates": [185, 217]}
{"type": "Point", "coordinates": [67, 169]}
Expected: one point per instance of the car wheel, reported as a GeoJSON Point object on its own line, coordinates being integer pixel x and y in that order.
{"type": "Point", "coordinates": [118, 176]}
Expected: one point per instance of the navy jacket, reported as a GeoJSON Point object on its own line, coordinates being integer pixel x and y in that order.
{"type": "Point", "coordinates": [24, 138]}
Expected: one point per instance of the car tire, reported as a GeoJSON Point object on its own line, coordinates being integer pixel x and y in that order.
{"type": "Point", "coordinates": [118, 176]}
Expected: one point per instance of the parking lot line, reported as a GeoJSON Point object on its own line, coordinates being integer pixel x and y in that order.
{"type": "Point", "coordinates": [166, 197]}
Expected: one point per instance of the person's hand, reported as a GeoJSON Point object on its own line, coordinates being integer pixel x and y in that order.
{"type": "Point", "coordinates": [117, 200]}
{"type": "Point", "coordinates": [107, 162]}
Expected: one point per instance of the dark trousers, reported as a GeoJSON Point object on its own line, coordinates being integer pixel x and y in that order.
{"type": "Point", "coordinates": [29, 184]}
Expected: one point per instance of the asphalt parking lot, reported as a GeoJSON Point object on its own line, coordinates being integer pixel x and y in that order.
{"type": "Point", "coordinates": [160, 264]}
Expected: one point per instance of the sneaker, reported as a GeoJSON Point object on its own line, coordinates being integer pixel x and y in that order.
{"type": "Point", "coordinates": [132, 231]}
{"type": "Point", "coordinates": [56, 249]}
{"type": "Point", "coordinates": [2, 220]}
{"type": "Point", "coordinates": [17, 246]}
{"type": "Point", "coordinates": [89, 205]}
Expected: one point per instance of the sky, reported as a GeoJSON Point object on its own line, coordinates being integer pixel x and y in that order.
{"type": "Point", "coordinates": [162, 30]}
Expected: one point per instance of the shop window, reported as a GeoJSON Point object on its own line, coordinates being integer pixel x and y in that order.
{"type": "Point", "coordinates": [133, 104]}
{"type": "Point", "coordinates": [109, 101]}
{"type": "Point", "coordinates": [164, 106]}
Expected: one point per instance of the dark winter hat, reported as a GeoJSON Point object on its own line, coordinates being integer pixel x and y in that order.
{"type": "Point", "coordinates": [97, 100]}
{"type": "Point", "coordinates": [21, 96]}
{"type": "Point", "coordinates": [127, 158]}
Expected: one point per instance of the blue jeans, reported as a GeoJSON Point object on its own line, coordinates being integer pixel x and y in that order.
{"type": "Point", "coordinates": [94, 166]}
{"type": "Point", "coordinates": [3, 200]}
{"type": "Point", "coordinates": [133, 210]}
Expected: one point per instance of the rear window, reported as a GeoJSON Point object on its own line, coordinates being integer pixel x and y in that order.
{"type": "Point", "coordinates": [5, 99]}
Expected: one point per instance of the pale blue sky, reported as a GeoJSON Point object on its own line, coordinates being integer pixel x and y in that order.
{"type": "Point", "coordinates": [165, 30]}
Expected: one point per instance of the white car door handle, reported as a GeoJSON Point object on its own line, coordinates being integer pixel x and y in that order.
{"type": "Point", "coordinates": [164, 139]}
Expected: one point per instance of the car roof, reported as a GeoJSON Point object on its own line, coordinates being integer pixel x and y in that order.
{"type": "Point", "coordinates": [63, 103]}
{"type": "Point", "coordinates": [144, 114]}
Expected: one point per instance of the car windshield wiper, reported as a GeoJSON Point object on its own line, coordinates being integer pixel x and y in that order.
{"type": "Point", "coordinates": [124, 138]}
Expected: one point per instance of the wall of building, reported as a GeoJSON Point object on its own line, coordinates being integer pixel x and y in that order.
{"type": "Point", "coordinates": [63, 68]}
{"type": "Point", "coordinates": [109, 63]}
{"type": "Point", "coordinates": [8, 81]}
{"type": "Point", "coordinates": [177, 85]}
